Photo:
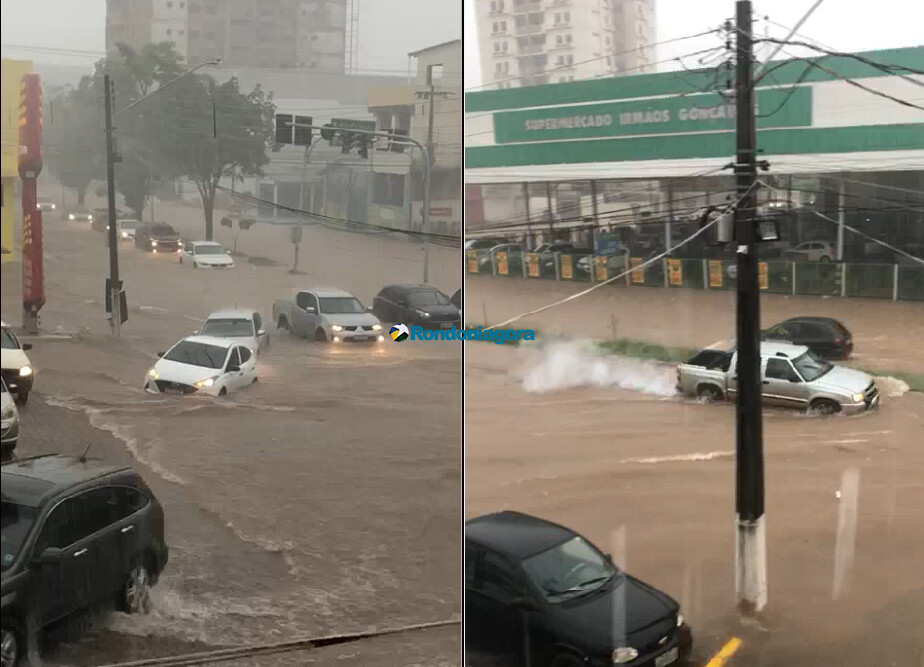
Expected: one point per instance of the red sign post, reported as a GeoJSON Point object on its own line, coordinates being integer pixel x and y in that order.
{"type": "Point", "coordinates": [30, 166]}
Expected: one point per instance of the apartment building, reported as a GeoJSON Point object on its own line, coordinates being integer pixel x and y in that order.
{"type": "Point", "coordinates": [530, 42]}
{"type": "Point", "coordinates": [278, 34]}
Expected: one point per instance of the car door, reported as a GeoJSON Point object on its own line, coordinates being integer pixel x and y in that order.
{"type": "Point", "coordinates": [97, 519]}
{"type": "Point", "coordinates": [60, 587]}
{"type": "Point", "coordinates": [131, 514]}
{"type": "Point", "coordinates": [259, 332]}
{"type": "Point", "coordinates": [496, 590]}
{"type": "Point", "coordinates": [305, 320]}
{"type": "Point", "coordinates": [248, 366]}
{"type": "Point", "coordinates": [819, 338]}
{"type": "Point", "coordinates": [782, 386]}
{"type": "Point", "coordinates": [234, 379]}
{"type": "Point", "coordinates": [189, 254]}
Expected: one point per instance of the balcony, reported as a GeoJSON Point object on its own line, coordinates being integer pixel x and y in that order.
{"type": "Point", "coordinates": [529, 29]}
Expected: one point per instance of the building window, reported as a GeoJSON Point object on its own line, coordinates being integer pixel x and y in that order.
{"type": "Point", "coordinates": [169, 4]}
{"type": "Point", "coordinates": [503, 26]}
{"type": "Point", "coordinates": [569, 59]}
{"type": "Point", "coordinates": [567, 17]}
{"type": "Point", "coordinates": [607, 40]}
{"type": "Point", "coordinates": [496, 47]}
{"type": "Point", "coordinates": [169, 31]}
{"type": "Point", "coordinates": [609, 61]}
{"type": "Point", "coordinates": [559, 39]}
{"type": "Point", "coordinates": [497, 68]}
{"type": "Point", "coordinates": [559, 60]}
{"type": "Point", "coordinates": [568, 38]}
{"type": "Point", "coordinates": [557, 17]}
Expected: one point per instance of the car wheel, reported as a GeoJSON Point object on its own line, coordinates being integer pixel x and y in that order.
{"type": "Point", "coordinates": [824, 258]}
{"type": "Point", "coordinates": [824, 406]}
{"type": "Point", "coordinates": [9, 647]}
{"type": "Point", "coordinates": [566, 660]}
{"type": "Point", "coordinates": [282, 324]}
{"type": "Point", "coordinates": [136, 593]}
{"type": "Point", "coordinates": [708, 394]}
{"type": "Point", "coordinates": [320, 336]}
{"type": "Point", "coordinates": [223, 391]}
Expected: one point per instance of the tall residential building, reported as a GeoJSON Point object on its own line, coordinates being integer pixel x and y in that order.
{"type": "Point", "coordinates": [529, 42]}
{"type": "Point", "coordinates": [279, 34]}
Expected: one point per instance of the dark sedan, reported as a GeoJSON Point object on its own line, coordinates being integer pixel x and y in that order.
{"type": "Point", "coordinates": [824, 336]}
{"type": "Point", "coordinates": [416, 305]}
{"type": "Point", "coordinates": [537, 593]}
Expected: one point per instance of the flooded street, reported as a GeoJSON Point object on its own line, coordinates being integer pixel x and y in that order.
{"type": "Point", "coordinates": [324, 498]}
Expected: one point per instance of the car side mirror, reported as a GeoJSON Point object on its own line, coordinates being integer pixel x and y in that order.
{"type": "Point", "coordinates": [369, 309]}
{"type": "Point", "coordinates": [310, 309]}
{"type": "Point", "coordinates": [27, 346]}
{"type": "Point", "coordinates": [195, 332]}
{"type": "Point", "coordinates": [161, 354]}
{"type": "Point", "coordinates": [50, 556]}
{"type": "Point", "coordinates": [261, 332]}
{"type": "Point", "coordinates": [233, 369]}
{"type": "Point", "coordinates": [609, 557]}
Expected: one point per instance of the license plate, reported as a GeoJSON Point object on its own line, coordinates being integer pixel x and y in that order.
{"type": "Point", "coordinates": [446, 325]}
{"type": "Point", "coordinates": [360, 337]}
{"type": "Point", "coordinates": [173, 390]}
{"type": "Point", "coordinates": [667, 658]}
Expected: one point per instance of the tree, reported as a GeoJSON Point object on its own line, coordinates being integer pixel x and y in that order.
{"type": "Point", "coordinates": [218, 131]}
{"type": "Point", "coordinates": [74, 137]}
{"type": "Point", "coordinates": [242, 226]}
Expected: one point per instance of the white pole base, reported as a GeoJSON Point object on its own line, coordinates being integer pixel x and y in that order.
{"type": "Point", "coordinates": [751, 565]}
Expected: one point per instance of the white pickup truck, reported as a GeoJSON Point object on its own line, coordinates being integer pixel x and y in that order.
{"type": "Point", "coordinates": [791, 376]}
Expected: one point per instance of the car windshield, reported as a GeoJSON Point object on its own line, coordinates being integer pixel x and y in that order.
{"type": "Point", "coordinates": [341, 305]}
{"type": "Point", "coordinates": [128, 224]}
{"type": "Point", "coordinates": [210, 250]}
{"type": "Point", "coordinates": [197, 354]}
{"type": "Point", "coordinates": [228, 328]}
{"type": "Point", "coordinates": [163, 230]}
{"type": "Point", "coordinates": [8, 341]}
{"type": "Point", "coordinates": [17, 522]}
{"type": "Point", "coordinates": [569, 570]}
{"type": "Point", "coordinates": [427, 298]}
{"type": "Point", "coordinates": [811, 367]}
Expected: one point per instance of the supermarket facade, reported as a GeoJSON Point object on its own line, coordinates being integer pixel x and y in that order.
{"type": "Point", "coordinates": [640, 156]}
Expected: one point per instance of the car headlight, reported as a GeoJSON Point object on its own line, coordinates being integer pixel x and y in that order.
{"type": "Point", "coordinates": [336, 327]}
{"type": "Point", "coordinates": [153, 374]}
{"type": "Point", "coordinates": [52, 207]}
{"type": "Point", "coordinates": [89, 217]}
{"type": "Point", "coordinates": [153, 243]}
{"type": "Point", "coordinates": [624, 654]}
{"type": "Point", "coordinates": [423, 313]}
{"type": "Point", "coordinates": [25, 371]}
{"type": "Point", "coordinates": [207, 382]}
{"type": "Point", "coordinates": [858, 398]}
{"type": "Point", "coordinates": [8, 412]}
{"type": "Point", "coordinates": [70, 216]}
{"type": "Point", "coordinates": [124, 235]}
{"type": "Point", "coordinates": [376, 327]}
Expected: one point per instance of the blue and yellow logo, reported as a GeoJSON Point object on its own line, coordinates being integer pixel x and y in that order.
{"type": "Point", "coordinates": [399, 333]}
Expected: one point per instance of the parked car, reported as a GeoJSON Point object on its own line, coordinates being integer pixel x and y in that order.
{"type": "Point", "coordinates": [45, 205]}
{"type": "Point", "coordinates": [78, 214]}
{"type": "Point", "coordinates": [324, 314]}
{"type": "Point", "coordinates": [15, 367]}
{"type": "Point", "coordinates": [75, 532]}
{"type": "Point", "coordinates": [456, 299]}
{"type": "Point", "coordinates": [420, 305]}
{"type": "Point", "coordinates": [824, 336]}
{"type": "Point", "coordinates": [792, 377]}
{"type": "Point", "coordinates": [484, 242]}
{"type": "Point", "coordinates": [811, 251]}
{"type": "Point", "coordinates": [9, 422]}
{"type": "Point", "coordinates": [554, 246]}
{"type": "Point", "coordinates": [157, 237]}
{"type": "Point", "coordinates": [204, 365]}
{"type": "Point", "coordinates": [537, 593]}
{"type": "Point", "coordinates": [206, 255]}
{"type": "Point", "coordinates": [126, 228]}
{"type": "Point", "coordinates": [514, 257]}
{"type": "Point", "coordinates": [241, 326]}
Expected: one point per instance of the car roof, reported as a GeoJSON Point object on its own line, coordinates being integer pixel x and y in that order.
{"type": "Point", "coordinates": [231, 314]}
{"type": "Point", "coordinates": [210, 340]}
{"type": "Point", "coordinates": [325, 291]}
{"type": "Point", "coordinates": [411, 287]}
{"type": "Point", "coordinates": [29, 481]}
{"type": "Point", "coordinates": [516, 535]}
{"type": "Point", "coordinates": [789, 350]}
{"type": "Point", "coordinates": [812, 318]}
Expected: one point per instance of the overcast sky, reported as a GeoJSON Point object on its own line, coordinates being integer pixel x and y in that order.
{"type": "Point", "coordinates": [846, 25]}
{"type": "Point", "coordinates": [388, 29]}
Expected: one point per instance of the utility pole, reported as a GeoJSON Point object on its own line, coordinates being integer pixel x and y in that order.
{"type": "Point", "coordinates": [115, 285]}
{"type": "Point", "coordinates": [750, 542]}
{"type": "Point", "coordinates": [425, 218]}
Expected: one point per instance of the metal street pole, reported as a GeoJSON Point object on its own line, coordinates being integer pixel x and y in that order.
{"type": "Point", "coordinates": [425, 219]}
{"type": "Point", "coordinates": [115, 287]}
{"type": "Point", "coordinates": [401, 138]}
{"type": "Point", "coordinates": [750, 542]}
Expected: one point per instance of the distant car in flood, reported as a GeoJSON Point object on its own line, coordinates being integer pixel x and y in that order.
{"type": "Point", "coordinates": [206, 255]}
{"type": "Point", "coordinates": [157, 238]}
{"type": "Point", "coordinates": [240, 325]}
{"type": "Point", "coordinates": [78, 214]}
{"type": "Point", "coordinates": [824, 336]}
{"type": "Point", "coordinates": [421, 305]}
{"type": "Point", "coordinates": [45, 205]}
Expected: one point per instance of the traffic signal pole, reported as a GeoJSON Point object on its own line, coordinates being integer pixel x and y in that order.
{"type": "Point", "coordinates": [426, 162]}
{"type": "Point", "coordinates": [750, 542]}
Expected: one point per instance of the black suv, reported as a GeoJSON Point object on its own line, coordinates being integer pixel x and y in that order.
{"type": "Point", "coordinates": [537, 593]}
{"type": "Point", "coordinates": [76, 532]}
{"type": "Point", "coordinates": [157, 237]}
{"type": "Point", "coordinates": [824, 336]}
{"type": "Point", "coordinates": [416, 305]}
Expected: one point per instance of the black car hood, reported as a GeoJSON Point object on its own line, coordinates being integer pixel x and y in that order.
{"type": "Point", "coordinates": [598, 616]}
{"type": "Point", "coordinates": [438, 310]}
{"type": "Point", "coordinates": [166, 238]}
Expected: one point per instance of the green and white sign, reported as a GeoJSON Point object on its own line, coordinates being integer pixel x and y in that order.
{"type": "Point", "coordinates": [708, 112]}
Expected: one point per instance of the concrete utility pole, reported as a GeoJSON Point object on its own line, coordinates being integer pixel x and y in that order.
{"type": "Point", "coordinates": [750, 542]}
{"type": "Point", "coordinates": [425, 219]}
{"type": "Point", "coordinates": [115, 285]}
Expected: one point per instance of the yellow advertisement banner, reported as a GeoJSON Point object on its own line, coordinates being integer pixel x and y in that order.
{"type": "Point", "coordinates": [532, 265]}
{"type": "Point", "coordinates": [638, 275]}
{"type": "Point", "coordinates": [715, 273]}
{"type": "Point", "coordinates": [600, 267]}
{"type": "Point", "coordinates": [472, 260]}
{"type": "Point", "coordinates": [763, 275]}
{"type": "Point", "coordinates": [566, 272]}
{"type": "Point", "coordinates": [500, 259]}
{"type": "Point", "coordinates": [675, 272]}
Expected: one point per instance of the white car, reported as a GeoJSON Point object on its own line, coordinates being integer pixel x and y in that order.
{"type": "Point", "coordinates": [203, 365]}
{"type": "Point", "coordinates": [812, 251]}
{"type": "Point", "coordinates": [15, 366]}
{"type": "Point", "coordinates": [206, 255]}
{"type": "Point", "coordinates": [240, 326]}
{"type": "Point", "coordinates": [127, 228]}
{"type": "Point", "coordinates": [327, 314]}
{"type": "Point", "coordinates": [9, 429]}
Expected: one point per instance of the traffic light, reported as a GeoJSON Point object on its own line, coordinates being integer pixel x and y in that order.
{"type": "Point", "coordinates": [283, 128]}
{"type": "Point", "coordinates": [346, 142]}
{"type": "Point", "coordinates": [302, 135]}
{"type": "Point", "coordinates": [327, 132]}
